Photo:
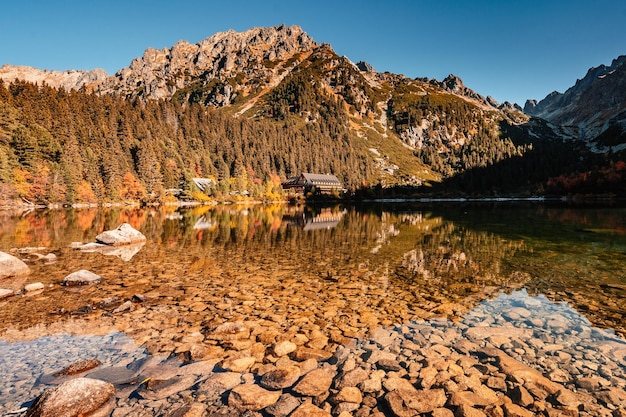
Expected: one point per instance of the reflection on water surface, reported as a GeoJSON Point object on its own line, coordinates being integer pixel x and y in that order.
{"type": "Point", "coordinates": [398, 265]}
{"type": "Point", "coordinates": [331, 276]}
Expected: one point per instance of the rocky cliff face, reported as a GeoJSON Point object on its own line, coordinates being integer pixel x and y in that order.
{"type": "Point", "coordinates": [230, 63]}
{"type": "Point", "coordinates": [72, 79]}
{"type": "Point", "coordinates": [594, 105]}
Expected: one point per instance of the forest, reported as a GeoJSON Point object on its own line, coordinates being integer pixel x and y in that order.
{"type": "Point", "coordinates": [78, 147]}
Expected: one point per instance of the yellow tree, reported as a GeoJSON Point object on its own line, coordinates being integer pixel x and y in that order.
{"type": "Point", "coordinates": [132, 189]}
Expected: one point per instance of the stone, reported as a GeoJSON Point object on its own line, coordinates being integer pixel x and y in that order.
{"type": "Point", "coordinates": [305, 353]}
{"type": "Point", "coordinates": [395, 383]}
{"type": "Point", "coordinates": [427, 400]}
{"type": "Point", "coordinates": [252, 397]}
{"type": "Point", "coordinates": [79, 367]}
{"type": "Point", "coordinates": [238, 364]}
{"type": "Point", "coordinates": [349, 395]}
{"type": "Point", "coordinates": [116, 375]}
{"type": "Point", "coordinates": [315, 383]}
{"type": "Point", "coordinates": [514, 410]}
{"type": "Point", "coordinates": [191, 410]}
{"type": "Point", "coordinates": [496, 383]}
{"type": "Point", "coordinates": [520, 396]}
{"type": "Point", "coordinates": [5, 292]}
{"type": "Point", "coordinates": [309, 410]}
{"type": "Point", "coordinates": [125, 234]}
{"type": "Point", "coordinates": [352, 378]}
{"type": "Point", "coordinates": [284, 406]}
{"type": "Point", "coordinates": [284, 348]}
{"type": "Point", "coordinates": [35, 286]}
{"type": "Point", "coordinates": [50, 258]}
{"type": "Point", "coordinates": [158, 390]}
{"type": "Point", "coordinates": [469, 398]}
{"type": "Point", "coordinates": [81, 277]}
{"type": "Point", "coordinates": [442, 412]}
{"type": "Point", "coordinates": [281, 378]}
{"type": "Point", "coordinates": [10, 266]}
{"type": "Point", "coordinates": [79, 396]}
{"type": "Point", "coordinates": [521, 372]}
{"type": "Point", "coordinates": [124, 307]}
{"type": "Point", "coordinates": [396, 402]}
{"type": "Point", "coordinates": [468, 411]}
{"type": "Point", "coordinates": [219, 383]}
{"type": "Point", "coordinates": [124, 252]}
{"type": "Point", "coordinates": [229, 331]}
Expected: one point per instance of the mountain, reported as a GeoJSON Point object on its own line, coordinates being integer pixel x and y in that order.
{"type": "Point", "coordinates": [70, 80]}
{"type": "Point", "coordinates": [249, 109]}
{"type": "Point", "coordinates": [594, 109]}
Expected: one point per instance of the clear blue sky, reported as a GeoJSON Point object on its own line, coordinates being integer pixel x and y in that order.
{"type": "Point", "coordinates": [509, 49]}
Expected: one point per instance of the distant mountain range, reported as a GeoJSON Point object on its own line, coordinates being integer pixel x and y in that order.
{"type": "Point", "coordinates": [594, 109]}
{"type": "Point", "coordinates": [426, 134]}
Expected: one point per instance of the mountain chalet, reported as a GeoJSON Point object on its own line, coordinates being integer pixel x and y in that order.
{"type": "Point", "coordinates": [306, 182]}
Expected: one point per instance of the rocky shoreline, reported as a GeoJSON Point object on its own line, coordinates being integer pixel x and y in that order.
{"type": "Point", "coordinates": [515, 356]}
{"type": "Point", "coordinates": [348, 343]}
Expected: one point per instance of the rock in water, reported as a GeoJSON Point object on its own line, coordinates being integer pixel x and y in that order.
{"type": "Point", "coordinates": [80, 396]}
{"type": "Point", "coordinates": [125, 234]}
{"type": "Point", "coordinates": [81, 277]}
{"type": "Point", "coordinates": [10, 266]}
{"type": "Point", "coordinates": [79, 367]}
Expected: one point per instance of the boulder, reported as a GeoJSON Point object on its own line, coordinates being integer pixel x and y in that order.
{"type": "Point", "coordinates": [80, 396]}
{"type": "Point", "coordinates": [125, 234]}
{"type": "Point", "coordinates": [6, 292]}
{"type": "Point", "coordinates": [81, 277]}
{"type": "Point", "coordinates": [79, 367]}
{"type": "Point", "coordinates": [315, 383]}
{"type": "Point", "coordinates": [125, 253]}
{"type": "Point", "coordinates": [252, 397]}
{"type": "Point", "coordinates": [281, 378]}
{"type": "Point", "coordinates": [10, 266]}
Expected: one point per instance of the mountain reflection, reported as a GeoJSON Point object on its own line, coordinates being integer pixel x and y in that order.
{"type": "Point", "coordinates": [369, 266]}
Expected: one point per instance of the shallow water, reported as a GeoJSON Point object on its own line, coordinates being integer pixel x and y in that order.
{"type": "Point", "coordinates": [349, 271]}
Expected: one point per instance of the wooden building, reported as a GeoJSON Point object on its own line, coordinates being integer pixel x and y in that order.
{"type": "Point", "coordinates": [306, 182]}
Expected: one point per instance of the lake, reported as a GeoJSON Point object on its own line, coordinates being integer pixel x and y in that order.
{"type": "Point", "coordinates": [339, 273]}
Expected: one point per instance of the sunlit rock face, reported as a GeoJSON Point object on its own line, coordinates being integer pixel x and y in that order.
{"type": "Point", "coordinates": [160, 73]}
{"type": "Point", "coordinates": [69, 80]}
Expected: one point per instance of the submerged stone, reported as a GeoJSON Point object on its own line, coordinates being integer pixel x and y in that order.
{"type": "Point", "coordinates": [80, 396]}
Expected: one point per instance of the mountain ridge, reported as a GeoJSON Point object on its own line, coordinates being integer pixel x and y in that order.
{"type": "Point", "coordinates": [592, 106]}
{"type": "Point", "coordinates": [384, 129]}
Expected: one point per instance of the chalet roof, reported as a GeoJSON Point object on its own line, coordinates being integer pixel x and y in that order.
{"type": "Point", "coordinates": [325, 179]}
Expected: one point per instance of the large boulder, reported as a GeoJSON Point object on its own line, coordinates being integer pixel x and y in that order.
{"type": "Point", "coordinates": [81, 277]}
{"type": "Point", "coordinates": [10, 266]}
{"type": "Point", "coordinates": [73, 398]}
{"type": "Point", "coordinates": [125, 234]}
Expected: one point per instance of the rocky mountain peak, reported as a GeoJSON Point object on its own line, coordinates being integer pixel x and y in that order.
{"type": "Point", "coordinates": [365, 67]}
{"type": "Point", "coordinates": [593, 105]}
{"type": "Point", "coordinates": [69, 80]}
{"type": "Point", "coordinates": [253, 53]}
{"type": "Point", "coordinates": [454, 85]}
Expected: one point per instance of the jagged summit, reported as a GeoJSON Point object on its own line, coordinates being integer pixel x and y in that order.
{"type": "Point", "coordinates": [595, 104]}
{"type": "Point", "coordinates": [255, 53]}
{"type": "Point", "coordinates": [71, 79]}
